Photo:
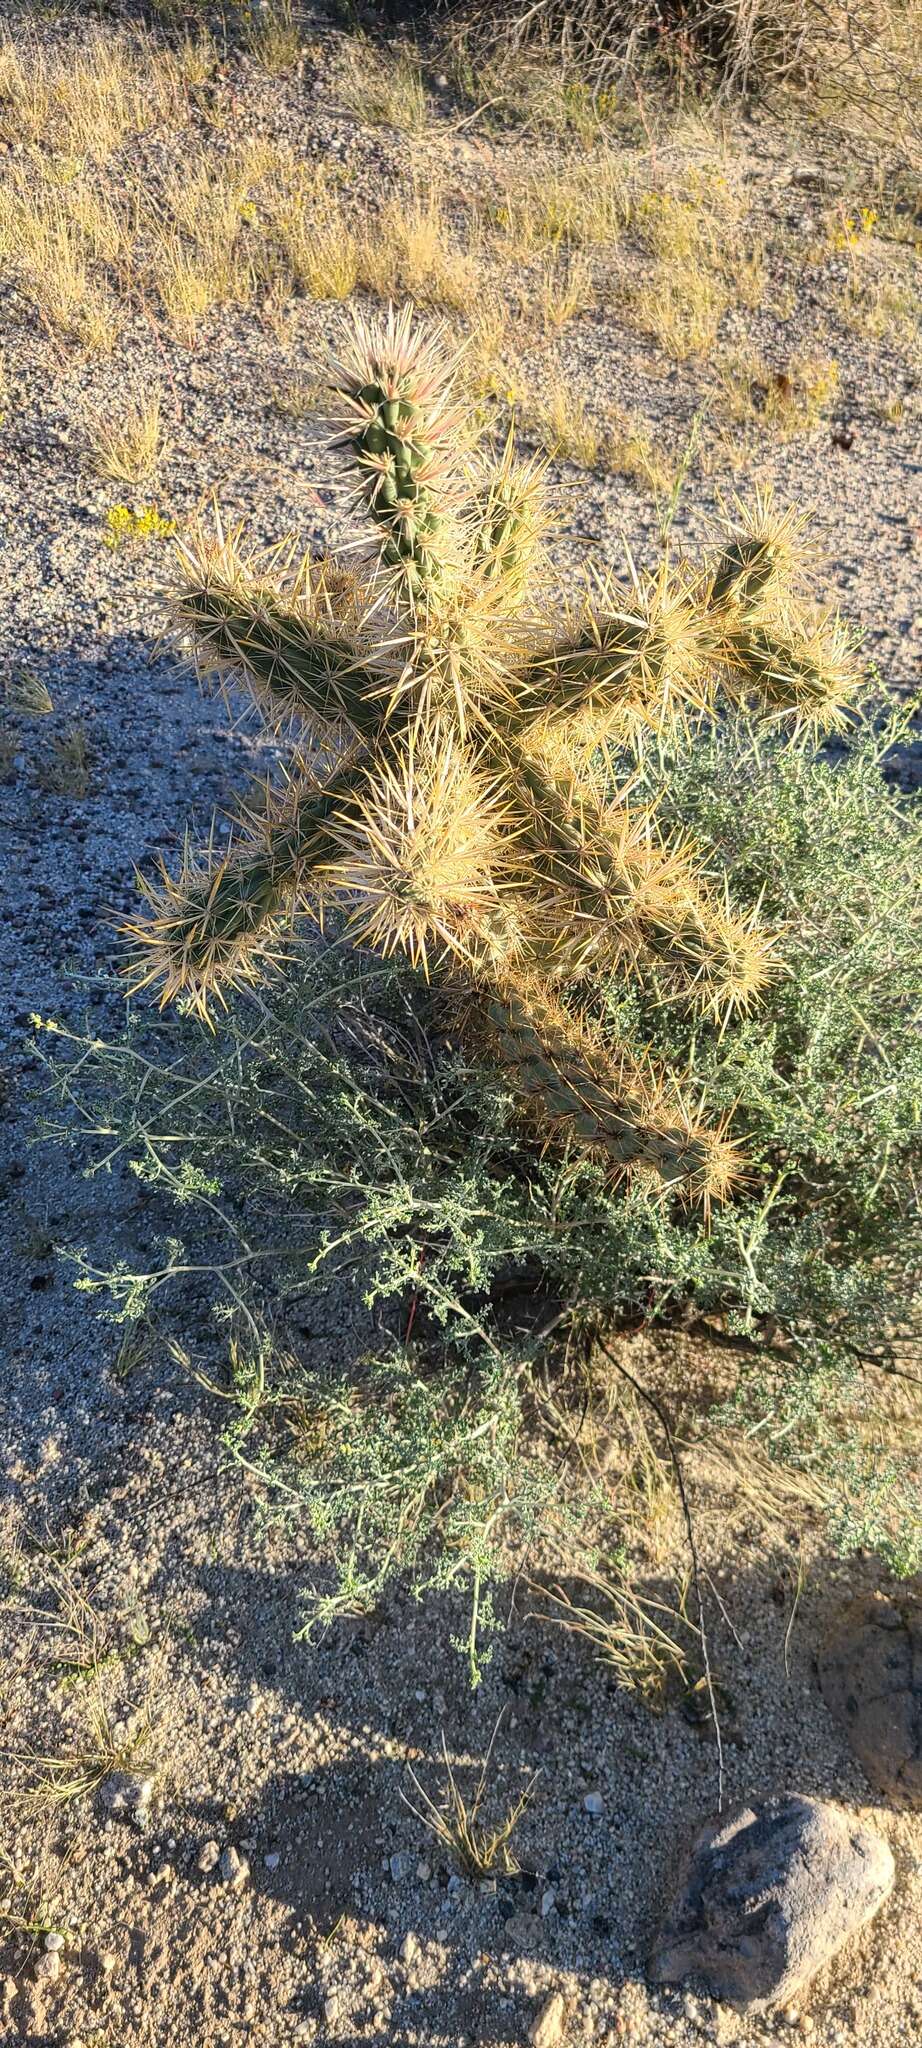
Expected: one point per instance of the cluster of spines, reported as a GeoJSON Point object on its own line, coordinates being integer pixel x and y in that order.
{"type": "Point", "coordinates": [458, 818]}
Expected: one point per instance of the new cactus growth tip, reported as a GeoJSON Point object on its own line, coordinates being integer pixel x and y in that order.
{"type": "Point", "coordinates": [451, 710]}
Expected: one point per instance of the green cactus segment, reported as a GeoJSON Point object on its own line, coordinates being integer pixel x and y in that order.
{"type": "Point", "coordinates": [228, 909]}
{"type": "Point", "coordinates": [393, 455]}
{"type": "Point", "coordinates": [292, 665]}
{"type": "Point", "coordinates": [391, 397]}
{"type": "Point", "coordinates": [632, 667]}
{"type": "Point", "coordinates": [569, 854]}
{"type": "Point", "coordinates": [609, 1107]}
{"type": "Point", "coordinates": [508, 523]}
{"type": "Point", "coordinates": [814, 677]}
{"type": "Point", "coordinates": [744, 573]}
{"type": "Point", "coordinates": [217, 924]}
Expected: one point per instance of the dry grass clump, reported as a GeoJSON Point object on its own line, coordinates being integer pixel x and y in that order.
{"type": "Point", "coordinates": [489, 369]}
{"type": "Point", "coordinates": [852, 63]}
{"type": "Point", "coordinates": [700, 264]}
{"type": "Point", "coordinates": [382, 85]}
{"type": "Point", "coordinates": [479, 1848]}
{"type": "Point", "coordinates": [26, 695]}
{"type": "Point", "coordinates": [200, 256]}
{"type": "Point", "coordinates": [566, 289]}
{"type": "Point", "coordinates": [564, 426]}
{"type": "Point", "coordinates": [318, 247]}
{"type": "Point", "coordinates": [784, 402]}
{"type": "Point", "coordinates": [298, 399]}
{"type": "Point", "coordinates": [127, 446]}
{"type": "Point", "coordinates": [580, 200]}
{"type": "Point", "coordinates": [646, 1641]}
{"type": "Point", "coordinates": [420, 243]}
{"type": "Point", "coordinates": [683, 314]}
{"type": "Point", "coordinates": [629, 450]}
{"type": "Point", "coordinates": [106, 1748]}
{"type": "Point", "coordinates": [274, 38]}
{"type": "Point", "coordinates": [59, 245]}
{"type": "Point", "coordinates": [66, 771]}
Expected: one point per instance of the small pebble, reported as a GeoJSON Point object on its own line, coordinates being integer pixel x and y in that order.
{"type": "Point", "coordinates": [208, 1857]}
{"type": "Point", "coordinates": [594, 1803]}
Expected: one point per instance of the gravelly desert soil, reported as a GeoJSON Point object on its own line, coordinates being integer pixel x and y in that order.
{"type": "Point", "coordinates": [349, 1926]}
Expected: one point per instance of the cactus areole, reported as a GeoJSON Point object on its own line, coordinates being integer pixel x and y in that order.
{"type": "Point", "coordinates": [451, 783]}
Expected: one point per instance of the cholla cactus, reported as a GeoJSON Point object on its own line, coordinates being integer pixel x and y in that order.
{"type": "Point", "coordinates": [446, 788]}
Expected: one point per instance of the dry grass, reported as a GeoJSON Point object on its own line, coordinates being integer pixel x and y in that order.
{"type": "Point", "coordinates": [629, 450]}
{"type": "Point", "coordinates": [299, 399]}
{"type": "Point", "coordinates": [478, 1848]}
{"type": "Point", "coordinates": [88, 98]}
{"type": "Point", "coordinates": [581, 201]}
{"type": "Point", "coordinates": [413, 245]}
{"type": "Point", "coordinates": [784, 402]}
{"type": "Point", "coordinates": [564, 426]}
{"type": "Point", "coordinates": [66, 770]}
{"type": "Point", "coordinates": [853, 65]}
{"type": "Point", "coordinates": [382, 85]}
{"type": "Point", "coordinates": [524, 91]}
{"type": "Point", "coordinates": [274, 38]}
{"type": "Point", "coordinates": [319, 248]}
{"type": "Point", "coordinates": [681, 312]}
{"type": "Point", "coordinates": [57, 1780]}
{"type": "Point", "coordinates": [490, 369]}
{"type": "Point", "coordinates": [26, 695]}
{"type": "Point", "coordinates": [200, 256]}
{"type": "Point", "coordinates": [193, 57]}
{"type": "Point", "coordinates": [82, 1648]}
{"type": "Point", "coordinates": [566, 289]}
{"type": "Point", "coordinates": [55, 243]}
{"type": "Point", "coordinates": [647, 1642]}
{"type": "Point", "coordinates": [129, 445]}
{"type": "Point", "coordinates": [701, 259]}
{"type": "Point", "coordinates": [885, 308]}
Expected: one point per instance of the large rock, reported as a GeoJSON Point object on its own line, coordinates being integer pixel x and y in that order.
{"type": "Point", "coordinates": [870, 1671]}
{"type": "Point", "coordinates": [767, 1895]}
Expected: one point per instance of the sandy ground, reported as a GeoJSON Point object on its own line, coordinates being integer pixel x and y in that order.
{"type": "Point", "coordinates": [349, 1926]}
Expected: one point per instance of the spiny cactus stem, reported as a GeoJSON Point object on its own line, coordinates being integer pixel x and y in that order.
{"type": "Point", "coordinates": [614, 1108]}
{"type": "Point", "coordinates": [295, 668]}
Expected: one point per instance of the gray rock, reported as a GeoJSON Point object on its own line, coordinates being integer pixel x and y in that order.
{"type": "Point", "coordinates": [47, 1967]}
{"type": "Point", "coordinates": [767, 1895]}
{"type": "Point", "coordinates": [208, 1858]}
{"type": "Point", "coordinates": [234, 1868]}
{"type": "Point", "coordinates": [127, 1793]}
{"type": "Point", "coordinates": [870, 1670]}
